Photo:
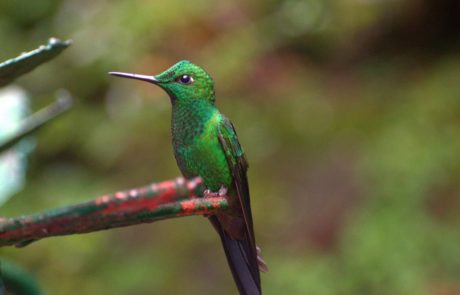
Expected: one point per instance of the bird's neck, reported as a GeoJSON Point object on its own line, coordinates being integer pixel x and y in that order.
{"type": "Point", "coordinates": [189, 119]}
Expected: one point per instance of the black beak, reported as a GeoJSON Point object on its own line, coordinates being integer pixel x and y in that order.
{"type": "Point", "coordinates": [146, 78]}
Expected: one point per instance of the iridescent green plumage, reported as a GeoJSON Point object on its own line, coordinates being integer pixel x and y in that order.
{"type": "Point", "coordinates": [205, 144]}
{"type": "Point", "coordinates": [196, 145]}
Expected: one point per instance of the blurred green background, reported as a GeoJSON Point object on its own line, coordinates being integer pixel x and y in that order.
{"type": "Point", "coordinates": [348, 110]}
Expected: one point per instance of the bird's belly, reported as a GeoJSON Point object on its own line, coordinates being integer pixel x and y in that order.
{"type": "Point", "coordinates": [205, 158]}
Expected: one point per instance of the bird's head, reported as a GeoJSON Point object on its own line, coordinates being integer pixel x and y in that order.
{"type": "Point", "coordinates": [183, 81]}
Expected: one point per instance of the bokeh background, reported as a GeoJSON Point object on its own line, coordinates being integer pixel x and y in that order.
{"type": "Point", "coordinates": [348, 111]}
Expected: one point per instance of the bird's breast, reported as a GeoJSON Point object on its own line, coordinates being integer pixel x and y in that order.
{"type": "Point", "coordinates": [200, 153]}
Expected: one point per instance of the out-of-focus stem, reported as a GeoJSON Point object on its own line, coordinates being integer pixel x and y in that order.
{"type": "Point", "coordinates": [38, 120]}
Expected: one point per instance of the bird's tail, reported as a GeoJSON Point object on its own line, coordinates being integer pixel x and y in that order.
{"type": "Point", "coordinates": [242, 259]}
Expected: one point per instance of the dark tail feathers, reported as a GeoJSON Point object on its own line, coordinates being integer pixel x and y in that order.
{"type": "Point", "coordinates": [244, 269]}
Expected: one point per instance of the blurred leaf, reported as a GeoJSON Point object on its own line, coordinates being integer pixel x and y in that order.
{"type": "Point", "coordinates": [14, 108]}
{"type": "Point", "coordinates": [18, 280]}
{"type": "Point", "coordinates": [26, 62]}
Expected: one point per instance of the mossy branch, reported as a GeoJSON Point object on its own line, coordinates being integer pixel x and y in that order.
{"type": "Point", "coordinates": [150, 203]}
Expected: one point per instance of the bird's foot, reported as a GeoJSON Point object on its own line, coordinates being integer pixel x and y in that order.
{"type": "Point", "coordinates": [222, 192]}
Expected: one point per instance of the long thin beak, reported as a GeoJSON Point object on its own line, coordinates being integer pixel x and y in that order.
{"type": "Point", "coordinates": [146, 78]}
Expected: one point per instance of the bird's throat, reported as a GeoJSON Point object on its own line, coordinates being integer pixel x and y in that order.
{"type": "Point", "coordinates": [189, 120]}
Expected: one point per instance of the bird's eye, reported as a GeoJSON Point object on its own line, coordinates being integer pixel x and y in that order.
{"type": "Point", "coordinates": [185, 79]}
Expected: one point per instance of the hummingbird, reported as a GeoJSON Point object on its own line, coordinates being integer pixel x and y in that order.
{"type": "Point", "coordinates": [205, 144]}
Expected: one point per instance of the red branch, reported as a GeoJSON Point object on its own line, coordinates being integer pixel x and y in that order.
{"type": "Point", "coordinates": [150, 203]}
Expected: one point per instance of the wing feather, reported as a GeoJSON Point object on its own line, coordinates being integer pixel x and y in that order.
{"type": "Point", "coordinates": [238, 165]}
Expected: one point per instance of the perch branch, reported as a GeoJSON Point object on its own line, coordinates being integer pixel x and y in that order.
{"type": "Point", "coordinates": [150, 203]}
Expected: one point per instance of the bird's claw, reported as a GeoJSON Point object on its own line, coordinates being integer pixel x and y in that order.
{"type": "Point", "coordinates": [222, 192]}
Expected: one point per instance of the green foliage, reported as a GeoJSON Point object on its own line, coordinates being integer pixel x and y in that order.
{"type": "Point", "coordinates": [18, 280]}
{"type": "Point", "coordinates": [12, 277]}
{"type": "Point", "coordinates": [26, 62]}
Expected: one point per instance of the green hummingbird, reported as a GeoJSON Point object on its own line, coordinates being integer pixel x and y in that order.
{"type": "Point", "coordinates": [206, 144]}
